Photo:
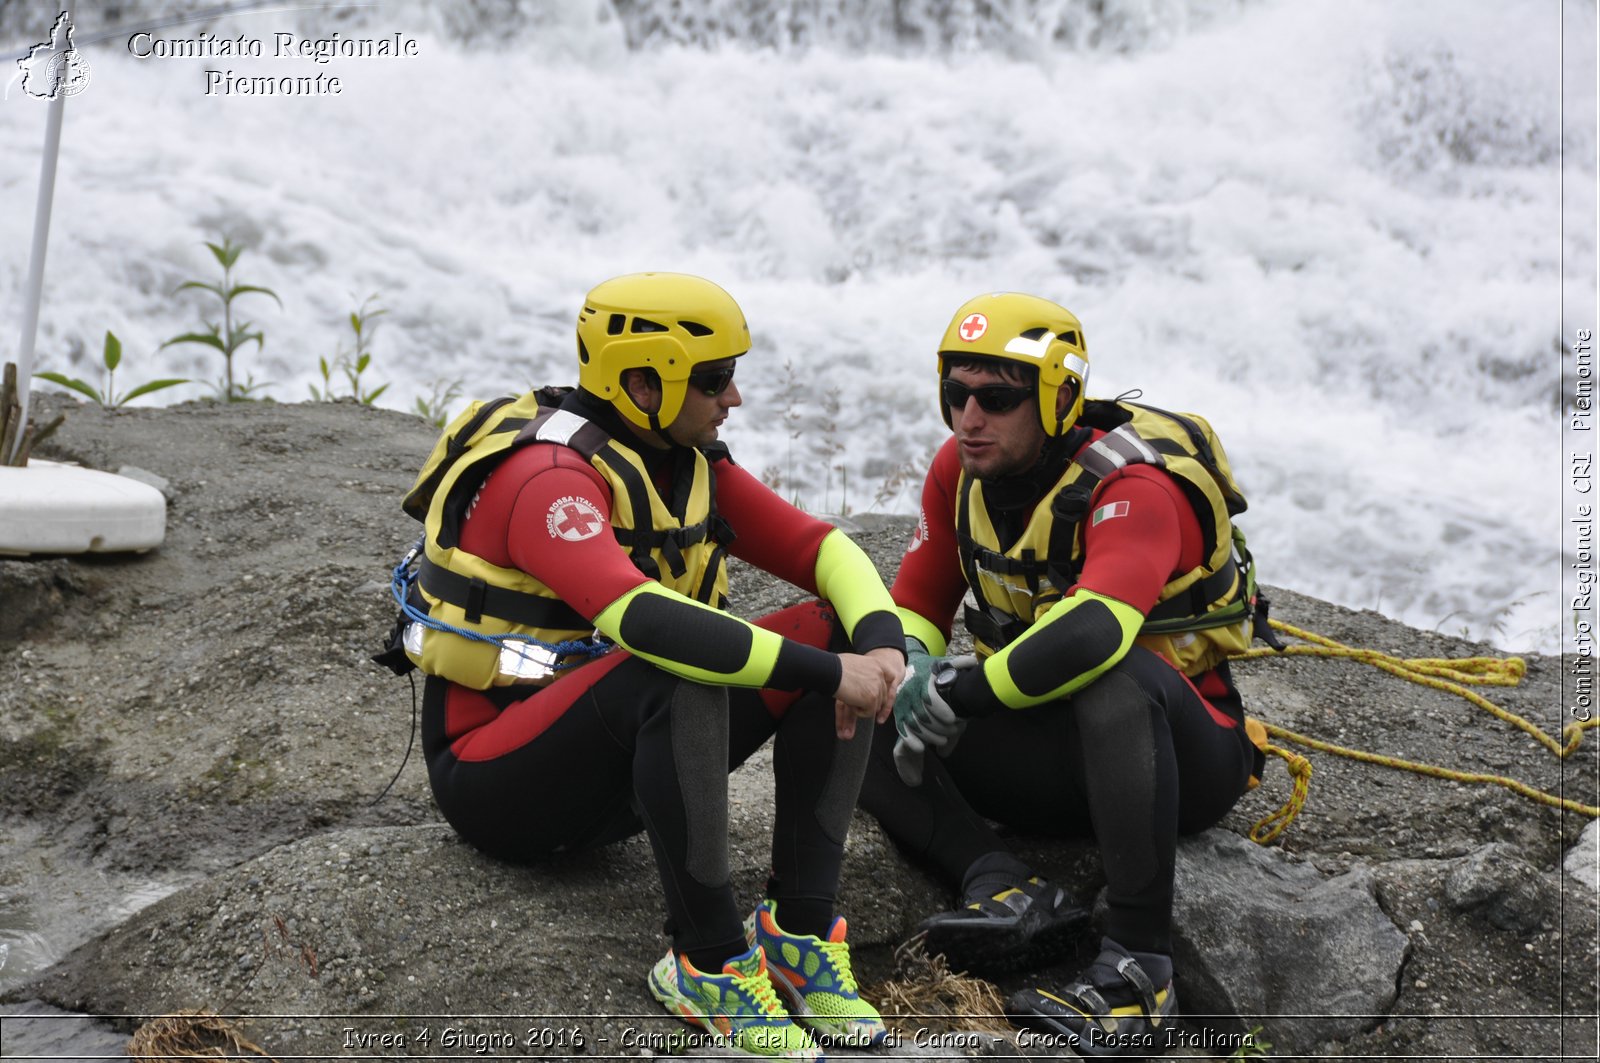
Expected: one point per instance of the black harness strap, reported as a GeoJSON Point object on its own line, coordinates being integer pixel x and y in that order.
{"type": "Point", "coordinates": [518, 607]}
{"type": "Point", "coordinates": [592, 441]}
{"type": "Point", "coordinates": [1067, 511]}
{"type": "Point", "coordinates": [1118, 447]}
{"type": "Point", "coordinates": [993, 631]}
{"type": "Point", "coordinates": [1187, 611]}
{"type": "Point", "coordinates": [416, 502]}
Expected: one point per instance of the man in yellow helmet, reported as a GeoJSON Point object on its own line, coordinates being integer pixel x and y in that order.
{"type": "Point", "coordinates": [585, 682]}
{"type": "Point", "coordinates": [1096, 541]}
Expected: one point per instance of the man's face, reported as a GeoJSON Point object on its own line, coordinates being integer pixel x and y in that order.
{"type": "Point", "coordinates": [994, 445]}
{"type": "Point", "coordinates": [697, 422]}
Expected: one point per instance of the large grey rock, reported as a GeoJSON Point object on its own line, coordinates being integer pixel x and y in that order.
{"type": "Point", "coordinates": [1507, 890]}
{"type": "Point", "coordinates": [1310, 957]}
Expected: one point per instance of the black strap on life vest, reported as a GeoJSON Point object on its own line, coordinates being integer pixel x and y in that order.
{"type": "Point", "coordinates": [1187, 611]}
{"type": "Point", "coordinates": [1067, 510]}
{"type": "Point", "coordinates": [592, 441]}
{"type": "Point", "coordinates": [1070, 506]}
{"type": "Point", "coordinates": [417, 501]}
{"type": "Point", "coordinates": [478, 599]}
{"type": "Point", "coordinates": [1233, 500]}
{"type": "Point", "coordinates": [995, 632]}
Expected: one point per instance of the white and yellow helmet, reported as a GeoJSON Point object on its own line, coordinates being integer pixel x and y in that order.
{"type": "Point", "coordinates": [1011, 327]}
{"type": "Point", "coordinates": [668, 322]}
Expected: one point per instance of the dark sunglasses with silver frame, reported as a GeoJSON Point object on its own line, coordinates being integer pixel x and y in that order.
{"type": "Point", "coordinates": [712, 382]}
{"type": "Point", "coordinates": [993, 398]}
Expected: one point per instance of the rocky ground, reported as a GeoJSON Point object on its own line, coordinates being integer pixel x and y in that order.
{"type": "Point", "coordinates": [203, 721]}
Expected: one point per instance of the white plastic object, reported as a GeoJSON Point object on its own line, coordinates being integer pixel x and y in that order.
{"type": "Point", "coordinates": [50, 508]}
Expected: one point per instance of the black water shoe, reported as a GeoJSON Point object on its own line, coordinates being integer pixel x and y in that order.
{"type": "Point", "coordinates": [1014, 928]}
{"type": "Point", "coordinates": [1121, 1005]}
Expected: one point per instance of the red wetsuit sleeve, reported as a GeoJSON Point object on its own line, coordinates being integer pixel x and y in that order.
{"type": "Point", "coordinates": [930, 582]}
{"type": "Point", "coordinates": [769, 533]}
{"type": "Point", "coordinates": [1147, 534]}
{"type": "Point", "coordinates": [789, 543]}
{"type": "Point", "coordinates": [518, 519]}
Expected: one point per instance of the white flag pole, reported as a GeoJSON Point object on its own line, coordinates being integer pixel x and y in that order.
{"type": "Point", "coordinates": [41, 235]}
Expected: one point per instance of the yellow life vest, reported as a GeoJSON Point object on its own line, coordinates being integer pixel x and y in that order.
{"type": "Point", "coordinates": [491, 626]}
{"type": "Point", "coordinates": [1202, 615]}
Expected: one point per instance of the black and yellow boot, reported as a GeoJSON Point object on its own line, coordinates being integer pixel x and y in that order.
{"type": "Point", "coordinates": [1122, 1004]}
{"type": "Point", "coordinates": [1011, 920]}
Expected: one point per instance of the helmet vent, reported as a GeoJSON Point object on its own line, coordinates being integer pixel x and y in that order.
{"type": "Point", "coordinates": [1036, 333]}
{"type": "Point", "coordinates": [1070, 336]}
{"type": "Point", "coordinates": [641, 324]}
{"type": "Point", "coordinates": [694, 328]}
{"type": "Point", "coordinates": [615, 325]}
{"type": "Point", "coordinates": [583, 352]}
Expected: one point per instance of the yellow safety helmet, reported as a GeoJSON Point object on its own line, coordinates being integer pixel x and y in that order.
{"type": "Point", "coordinates": [1010, 327]}
{"type": "Point", "coordinates": [668, 322]}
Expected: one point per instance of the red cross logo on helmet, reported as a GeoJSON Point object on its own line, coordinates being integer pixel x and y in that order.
{"type": "Point", "coordinates": [974, 327]}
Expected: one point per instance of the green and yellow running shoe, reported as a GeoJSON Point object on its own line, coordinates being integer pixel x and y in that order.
{"type": "Point", "coordinates": [814, 976]}
{"type": "Point", "coordinates": [737, 1007]}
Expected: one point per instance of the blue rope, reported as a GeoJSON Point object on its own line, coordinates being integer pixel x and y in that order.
{"type": "Point", "coordinates": [404, 577]}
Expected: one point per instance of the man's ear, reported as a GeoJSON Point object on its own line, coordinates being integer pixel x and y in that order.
{"type": "Point", "coordinates": [642, 389]}
{"type": "Point", "coordinates": [1066, 395]}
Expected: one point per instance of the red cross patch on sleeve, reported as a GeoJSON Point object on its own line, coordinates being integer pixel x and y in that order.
{"type": "Point", "coordinates": [574, 519]}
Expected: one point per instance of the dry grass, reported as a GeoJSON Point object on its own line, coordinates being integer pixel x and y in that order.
{"type": "Point", "coordinates": [924, 995]}
{"type": "Point", "coordinates": [203, 1033]}
{"type": "Point", "coordinates": [192, 1035]}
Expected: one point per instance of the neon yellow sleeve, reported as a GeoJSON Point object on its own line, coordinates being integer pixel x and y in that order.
{"type": "Point", "coordinates": [1076, 641]}
{"type": "Point", "coordinates": [924, 631]}
{"type": "Point", "coordinates": [849, 581]}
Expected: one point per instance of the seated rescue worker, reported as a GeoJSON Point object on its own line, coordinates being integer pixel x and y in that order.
{"type": "Point", "coordinates": [1097, 543]}
{"type": "Point", "coordinates": [586, 683]}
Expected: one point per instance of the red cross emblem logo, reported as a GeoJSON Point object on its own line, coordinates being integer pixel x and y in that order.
{"type": "Point", "coordinates": [573, 519]}
{"type": "Point", "coordinates": [973, 327]}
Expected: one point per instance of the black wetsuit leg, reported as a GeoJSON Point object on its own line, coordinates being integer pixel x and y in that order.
{"type": "Point", "coordinates": [1132, 760]}
{"type": "Point", "coordinates": [816, 777]}
{"type": "Point", "coordinates": [620, 746]}
{"type": "Point", "coordinates": [932, 822]}
{"type": "Point", "coordinates": [592, 758]}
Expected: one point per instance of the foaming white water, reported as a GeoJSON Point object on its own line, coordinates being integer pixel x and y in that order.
{"type": "Point", "coordinates": [1333, 228]}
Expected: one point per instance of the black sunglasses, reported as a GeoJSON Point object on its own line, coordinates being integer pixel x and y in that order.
{"type": "Point", "coordinates": [995, 398]}
{"type": "Point", "coordinates": [713, 381]}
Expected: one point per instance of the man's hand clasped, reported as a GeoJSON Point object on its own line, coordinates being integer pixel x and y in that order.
{"type": "Point", "coordinates": [922, 717]}
{"type": "Point", "coordinates": [867, 688]}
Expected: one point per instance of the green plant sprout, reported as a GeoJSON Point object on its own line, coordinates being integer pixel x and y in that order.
{"type": "Point", "coordinates": [226, 338]}
{"type": "Point", "coordinates": [353, 363]}
{"type": "Point", "coordinates": [1253, 1046]}
{"type": "Point", "coordinates": [435, 409]}
{"type": "Point", "coordinates": [111, 357]}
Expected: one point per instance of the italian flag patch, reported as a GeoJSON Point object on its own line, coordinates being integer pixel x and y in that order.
{"type": "Point", "coordinates": [1106, 512]}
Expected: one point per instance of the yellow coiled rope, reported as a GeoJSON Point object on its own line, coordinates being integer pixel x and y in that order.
{"type": "Point", "coordinates": [1451, 675]}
